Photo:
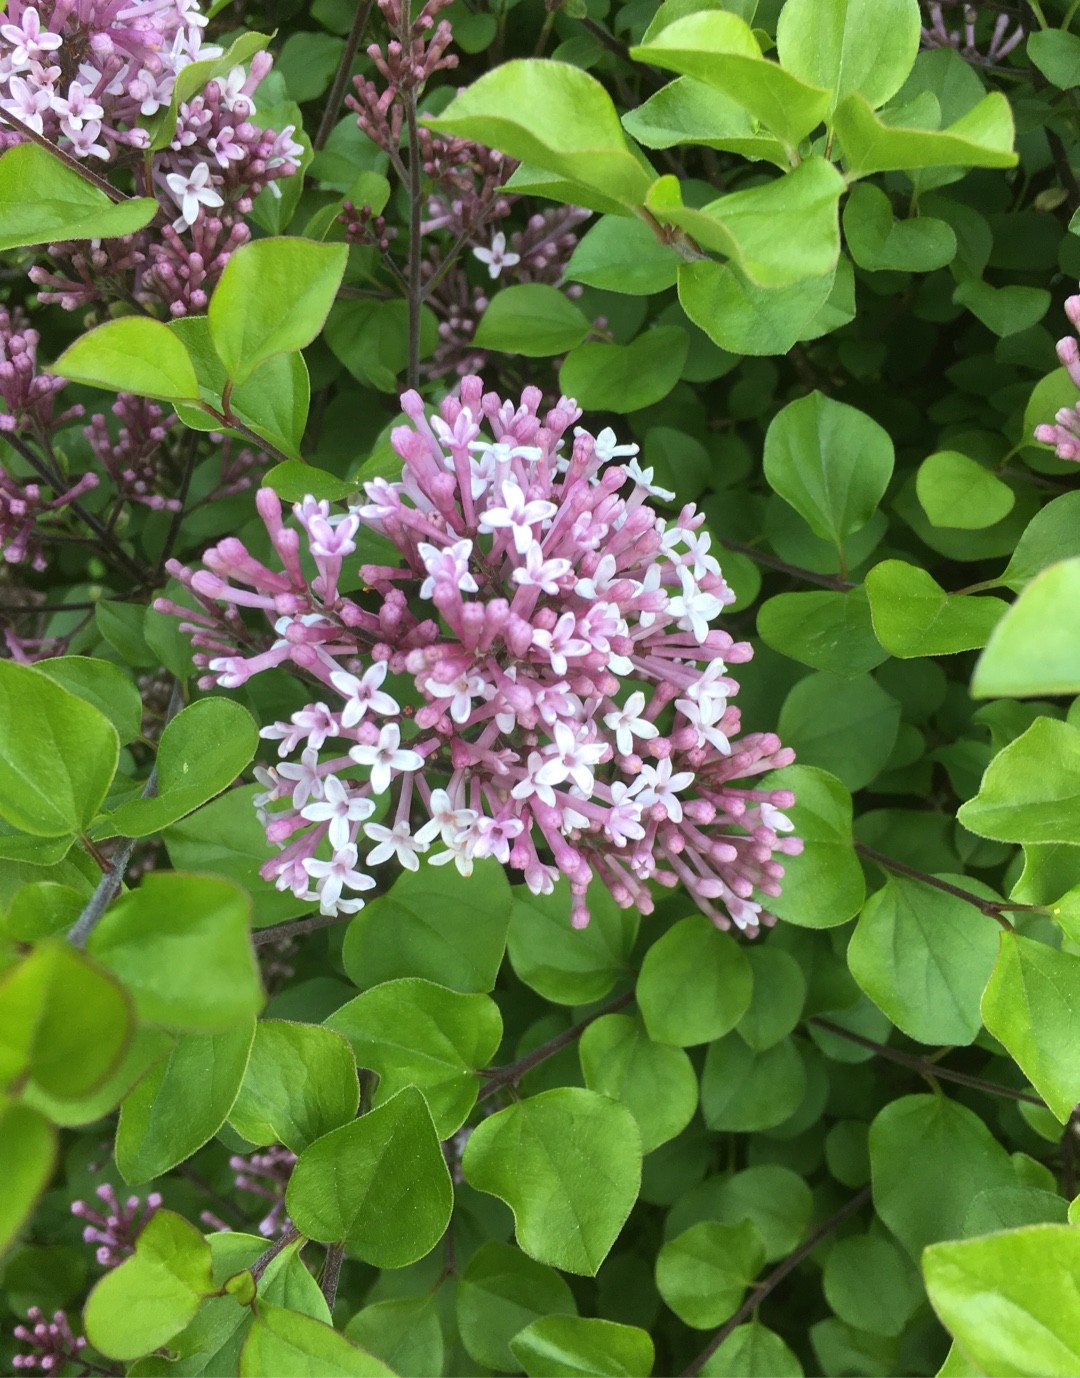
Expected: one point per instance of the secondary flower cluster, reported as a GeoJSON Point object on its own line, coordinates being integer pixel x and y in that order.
{"type": "Point", "coordinates": [1064, 434]}
{"type": "Point", "coordinates": [535, 679]}
{"type": "Point", "coordinates": [999, 44]}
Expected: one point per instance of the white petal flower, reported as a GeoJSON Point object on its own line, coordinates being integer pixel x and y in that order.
{"type": "Point", "coordinates": [386, 756]}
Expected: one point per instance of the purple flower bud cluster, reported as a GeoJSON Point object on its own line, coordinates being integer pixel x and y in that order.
{"type": "Point", "coordinates": [27, 395]}
{"type": "Point", "coordinates": [51, 1344]}
{"type": "Point", "coordinates": [415, 52]}
{"type": "Point", "coordinates": [1064, 433]}
{"type": "Point", "coordinates": [133, 459]}
{"type": "Point", "coordinates": [535, 679]}
{"type": "Point", "coordinates": [266, 1174]}
{"type": "Point", "coordinates": [937, 34]}
{"type": "Point", "coordinates": [115, 1231]}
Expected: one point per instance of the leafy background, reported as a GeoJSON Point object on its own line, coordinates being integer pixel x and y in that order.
{"type": "Point", "coordinates": [647, 1146]}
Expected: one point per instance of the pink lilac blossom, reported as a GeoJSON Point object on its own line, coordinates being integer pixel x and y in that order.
{"type": "Point", "coordinates": [27, 395]}
{"type": "Point", "coordinates": [1064, 433]}
{"type": "Point", "coordinates": [937, 34]}
{"type": "Point", "coordinates": [116, 1231]}
{"type": "Point", "coordinates": [52, 1344]}
{"type": "Point", "coordinates": [134, 459]}
{"type": "Point", "coordinates": [535, 679]}
{"type": "Point", "coordinates": [266, 1174]}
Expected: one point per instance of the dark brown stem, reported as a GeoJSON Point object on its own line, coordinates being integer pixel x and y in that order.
{"type": "Point", "coordinates": [991, 908]}
{"type": "Point", "coordinates": [296, 928]}
{"type": "Point", "coordinates": [778, 1274]}
{"type": "Point", "coordinates": [231, 423]}
{"type": "Point", "coordinates": [809, 576]}
{"type": "Point", "coordinates": [331, 1273]}
{"type": "Point", "coordinates": [289, 1236]}
{"type": "Point", "coordinates": [924, 1066]}
{"type": "Point", "coordinates": [69, 162]}
{"type": "Point", "coordinates": [414, 288]}
{"type": "Point", "coordinates": [191, 449]}
{"type": "Point", "coordinates": [341, 76]}
{"type": "Point", "coordinates": [514, 1071]}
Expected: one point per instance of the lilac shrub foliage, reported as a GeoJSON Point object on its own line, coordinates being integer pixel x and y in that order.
{"type": "Point", "coordinates": [538, 687]}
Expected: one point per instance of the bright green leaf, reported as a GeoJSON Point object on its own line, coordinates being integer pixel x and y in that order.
{"type": "Point", "coordinates": [1031, 790]}
{"type": "Point", "coordinates": [845, 726]}
{"type": "Point", "coordinates": [1035, 649]}
{"type": "Point", "coordinates": [752, 1351]}
{"type": "Point", "coordinates": [877, 241]}
{"type": "Point", "coordinates": [404, 1332]}
{"type": "Point", "coordinates": [565, 1346]}
{"type": "Point", "coordinates": [27, 1155]}
{"type": "Point", "coordinates": [1056, 53]}
{"type": "Point", "coordinates": [300, 1083]}
{"type": "Point", "coordinates": [63, 204]}
{"type": "Point", "coordinates": [823, 886]}
{"type": "Point", "coordinates": [955, 491]}
{"type": "Point", "coordinates": [695, 984]}
{"type": "Point", "coordinates": [564, 964]}
{"type": "Point", "coordinates": [625, 378]}
{"type": "Point", "coordinates": [981, 138]}
{"type": "Point", "coordinates": [621, 255]}
{"type": "Point", "coordinates": [914, 616]}
{"type": "Point", "coordinates": [827, 631]}
{"type": "Point", "coordinates": [744, 1090]}
{"type": "Point", "coordinates": [850, 45]}
{"type": "Point", "coordinates": [533, 320]}
{"type": "Point", "coordinates": [703, 1274]}
{"type": "Point", "coordinates": [657, 1083]}
{"type": "Point", "coordinates": [132, 354]}
{"type": "Point", "coordinates": [285, 1341]}
{"type": "Point", "coordinates": [103, 685]}
{"type": "Point", "coordinates": [500, 1292]}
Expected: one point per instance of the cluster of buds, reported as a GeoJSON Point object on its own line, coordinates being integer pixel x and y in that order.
{"type": "Point", "coordinates": [116, 1230]}
{"type": "Point", "coordinates": [937, 34]}
{"type": "Point", "coordinates": [22, 506]}
{"type": "Point", "coordinates": [416, 51]}
{"type": "Point", "coordinates": [537, 679]}
{"type": "Point", "coordinates": [363, 226]}
{"type": "Point", "coordinates": [133, 460]}
{"type": "Point", "coordinates": [27, 395]}
{"type": "Point", "coordinates": [1064, 433]}
{"type": "Point", "coordinates": [266, 1174]}
{"type": "Point", "coordinates": [51, 1345]}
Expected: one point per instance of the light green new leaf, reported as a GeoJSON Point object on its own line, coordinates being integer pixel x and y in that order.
{"type": "Point", "coordinates": [744, 318]}
{"type": "Point", "coordinates": [1031, 789]}
{"type": "Point", "coordinates": [273, 298]}
{"type": "Point", "coordinates": [103, 685]}
{"type": "Point", "coordinates": [1032, 1006]}
{"type": "Point", "coordinates": [58, 754]}
{"type": "Point", "coordinates": [1053, 534]}
{"type": "Point", "coordinates": [695, 984]}
{"type": "Point", "coordinates": [981, 138]}
{"type": "Point", "coordinates": [568, 1164]}
{"type": "Point", "coordinates": [568, 1346]}
{"type": "Point", "coordinates": [955, 491]}
{"type": "Point", "coordinates": [577, 138]}
{"type": "Point", "coordinates": [152, 1295]}
{"type": "Point", "coordinates": [181, 1103]}
{"type": "Point", "coordinates": [923, 957]}
{"type": "Point", "coordinates": [201, 752]}
{"type": "Point", "coordinates": [285, 1341]}
{"type": "Point", "coordinates": [690, 112]}
{"type": "Point", "coordinates": [703, 1274]}
{"type": "Point", "coordinates": [415, 1033]}
{"type": "Point", "coordinates": [824, 886]}
{"type": "Point", "coordinates": [27, 1156]}
{"type": "Point", "coordinates": [300, 1083]}
{"type": "Point", "coordinates": [500, 1291]}
{"type": "Point", "coordinates": [1012, 1300]}
{"type": "Point", "coordinates": [877, 241]}
{"type": "Point", "coordinates": [625, 378]}
{"type": "Point", "coordinates": [913, 616]}
{"type": "Point", "coordinates": [657, 1083]}
{"type": "Point", "coordinates": [830, 462]}
{"type": "Point", "coordinates": [867, 46]}
{"type": "Point", "coordinates": [132, 354]}
{"type": "Point", "coordinates": [719, 48]}
{"type": "Point", "coordinates": [827, 631]}
{"type": "Point", "coordinates": [533, 320]}
{"type": "Point", "coordinates": [180, 944]}
{"type": "Point", "coordinates": [381, 1184]}
{"type": "Point", "coordinates": [1034, 651]}
{"type": "Point", "coordinates": [62, 205]}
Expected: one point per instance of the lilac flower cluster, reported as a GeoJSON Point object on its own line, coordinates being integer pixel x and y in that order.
{"type": "Point", "coordinates": [415, 52]}
{"type": "Point", "coordinates": [116, 1230]}
{"type": "Point", "coordinates": [536, 679]}
{"type": "Point", "coordinates": [264, 1174]}
{"type": "Point", "coordinates": [937, 34]}
{"type": "Point", "coordinates": [51, 1344]}
{"type": "Point", "coordinates": [1064, 433]}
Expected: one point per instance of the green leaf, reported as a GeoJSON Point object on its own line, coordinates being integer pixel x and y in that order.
{"type": "Point", "coordinates": [827, 631]}
{"type": "Point", "coordinates": [823, 886]}
{"type": "Point", "coordinates": [414, 1033]}
{"type": "Point", "coordinates": [299, 1084]}
{"type": "Point", "coordinates": [981, 138]}
{"type": "Point", "coordinates": [621, 255]}
{"type": "Point", "coordinates": [876, 241]}
{"type": "Point", "coordinates": [744, 318]}
{"type": "Point", "coordinates": [565, 1346]}
{"type": "Point", "coordinates": [744, 1090]}
{"type": "Point", "coordinates": [567, 965]}
{"type": "Point", "coordinates": [690, 112]}
{"type": "Point", "coordinates": [40, 909]}
{"type": "Point", "coordinates": [201, 752]}
{"type": "Point", "coordinates": [181, 1102]}
{"type": "Point", "coordinates": [657, 1084]}
{"type": "Point", "coordinates": [1031, 790]}
{"type": "Point", "coordinates": [1031, 1005]}
{"type": "Point", "coordinates": [703, 1274]}
{"type": "Point", "coordinates": [380, 1184]}
{"type": "Point", "coordinates": [850, 45]}
{"type": "Point", "coordinates": [568, 1164]}
{"type": "Point", "coordinates": [285, 1341]}
{"type": "Point", "coordinates": [914, 616]}
{"type": "Point", "coordinates": [404, 1332]}
{"type": "Point", "coordinates": [720, 49]}
{"type": "Point", "coordinates": [138, 1306]}
{"type": "Point", "coordinates": [181, 945]}
{"type": "Point", "coordinates": [293, 481]}
{"type": "Point", "coordinates": [1035, 649]}
{"type": "Point", "coordinates": [273, 298]}
{"type": "Point", "coordinates": [371, 338]}
{"type": "Point", "coordinates": [501, 1290]}
{"type": "Point", "coordinates": [1056, 53]}
{"type": "Point", "coordinates": [1012, 1300]}
{"type": "Point", "coordinates": [102, 685]}
{"type": "Point", "coordinates": [830, 462]}
{"type": "Point", "coordinates": [147, 1046]}
{"type": "Point", "coordinates": [774, 1198]}
{"type": "Point", "coordinates": [447, 928]}
{"type": "Point", "coordinates": [923, 957]}
{"type": "Point", "coordinates": [930, 1158]}
{"type": "Point", "coordinates": [1007, 1208]}
{"type": "Point", "coordinates": [779, 996]}
{"type": "Point", "coordinates": [1053, 534]}
{"type": "Point", "coordinates": [955, 491]}
{"type": "Point", "coordinates": [1004, 310]}
{"type": "Point", "coordinates": [63, 205]}
{"type": "Point", "coordinates": [532, 320]}
{"type": "Point", "coordinates": [132, 354]}
{"type": "Point", "coordinates": [846, 726]}
{"type": "Point", "coordinates": [695, 984]}
{"type": "Point", "coordinates": [871, 1284]}
{"type": "Point", "coordinates": [752, 1351]}
{"type": "Point", "coordinates": [58, 754]}
{"type": "Point", "coordinates": [784, 232]}
{"type": "Point", "coordinates": [63, 1021]}
{"type": "Point", "coordinates": [27, 1157]}
{"type": "Point", "coordinates": [579, 139]}
{"type": "Point", "coordinates": [625, 378]}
